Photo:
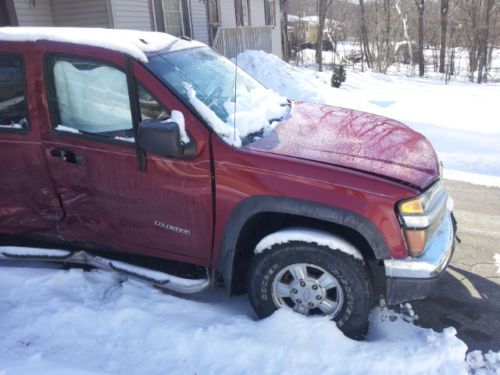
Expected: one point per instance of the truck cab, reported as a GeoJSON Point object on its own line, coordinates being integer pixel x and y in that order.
{"type": "Point", "coordinates": [125, 145]}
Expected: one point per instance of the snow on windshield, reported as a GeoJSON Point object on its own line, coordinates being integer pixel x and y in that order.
{"type": "Point", "coordinates": [233, 103]}
{"type": "Point", "coordinates": [251, 112]}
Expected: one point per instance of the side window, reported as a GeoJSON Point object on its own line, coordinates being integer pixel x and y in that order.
{"type": "Point", "coordinates": [13, 106]}
{"type": "Point", "coordinates": [149, 106]}
{"type": "Point", "coordinates": [90, 97]}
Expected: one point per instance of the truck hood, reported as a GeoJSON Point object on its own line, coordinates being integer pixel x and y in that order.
{"type": "Point", "coordinates": [355, 140]}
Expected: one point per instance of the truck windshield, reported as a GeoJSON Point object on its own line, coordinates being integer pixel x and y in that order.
{"type": "Point", "coordinates": [234, 104]}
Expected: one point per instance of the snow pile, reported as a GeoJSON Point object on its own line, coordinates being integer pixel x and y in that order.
{"type": "Point", "coordinates": [254, 110]}
{"type": "Point", "coordinates": [130, 42]}
{"type": "Point", "coordinates": [285, 79]}
{"type": "Point", "coordinates": [483, 364]}
{"type": "Point", "coordinates": [61, 322]}
{"type": "Point", "coordinates": [458, 118]}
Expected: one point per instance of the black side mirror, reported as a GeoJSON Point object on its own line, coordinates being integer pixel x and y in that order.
{"type": "Point", "coordinates": [163, 138]}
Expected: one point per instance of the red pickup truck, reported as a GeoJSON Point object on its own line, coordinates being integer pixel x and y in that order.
{"type": "Point", "coordinates": [155, 157]}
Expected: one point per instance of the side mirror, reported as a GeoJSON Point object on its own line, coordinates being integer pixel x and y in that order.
{"type": "Point", "coordinates": [163, 138]}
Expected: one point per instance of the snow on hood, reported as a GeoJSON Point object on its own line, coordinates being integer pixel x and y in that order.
{"type": "Point", "coordinates": [131, 42]}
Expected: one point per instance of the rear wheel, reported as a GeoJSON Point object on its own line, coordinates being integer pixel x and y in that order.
{"type": "Point", "coordinates": [312, 280]}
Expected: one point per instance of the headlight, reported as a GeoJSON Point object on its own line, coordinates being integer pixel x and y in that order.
{"type": "Point", "coordinates": [420, 217]}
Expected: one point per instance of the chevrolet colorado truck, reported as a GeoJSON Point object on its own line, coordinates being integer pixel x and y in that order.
{"type": "Point", "coordinates": [155, 157]}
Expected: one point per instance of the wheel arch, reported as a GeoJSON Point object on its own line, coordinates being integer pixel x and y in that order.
{"type": "Point", "coordinates": [245, 228]}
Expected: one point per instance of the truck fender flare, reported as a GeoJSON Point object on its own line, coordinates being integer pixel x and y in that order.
{"type": "Point", "coordinates": [254, 205]}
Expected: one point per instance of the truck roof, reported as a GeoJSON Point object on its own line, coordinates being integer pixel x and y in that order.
{"type": "Point", "coordinates": [131, 42]}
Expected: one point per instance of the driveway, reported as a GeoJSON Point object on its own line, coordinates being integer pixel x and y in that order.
{"type": "Point", "coordinates": [468, 296]}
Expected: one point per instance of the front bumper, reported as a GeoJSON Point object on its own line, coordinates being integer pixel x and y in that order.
{"type": "Point", "coordinates": [415, 278]}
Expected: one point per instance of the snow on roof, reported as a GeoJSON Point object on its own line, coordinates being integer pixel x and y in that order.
{"type": "Point", "coordinates": [130, 42]}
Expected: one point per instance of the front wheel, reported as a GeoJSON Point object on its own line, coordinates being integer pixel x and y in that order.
{"type": "Point", "coordinates": [312, 280]}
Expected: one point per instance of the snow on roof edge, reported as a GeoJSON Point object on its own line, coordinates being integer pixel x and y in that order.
{"type": "Point", "coordinates": [131, 42]}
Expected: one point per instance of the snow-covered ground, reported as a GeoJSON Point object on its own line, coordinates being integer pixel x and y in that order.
{"type": "Point", "coordinates": [459, 118]}
{"type": "Point", "coordinates": [75, 322]}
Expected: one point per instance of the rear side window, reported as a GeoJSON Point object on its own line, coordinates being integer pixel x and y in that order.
{"type": "Point", "coordinates": [13, 108]}
{"type": "Point", "coordinates": [90, 97]}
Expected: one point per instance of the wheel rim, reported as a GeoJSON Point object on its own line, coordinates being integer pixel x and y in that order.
{"type": "Point", "coordinates": [308, 290]}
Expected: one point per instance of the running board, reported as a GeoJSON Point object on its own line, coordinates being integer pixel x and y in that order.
{"type": "Point", "coordinates": [158, 279]}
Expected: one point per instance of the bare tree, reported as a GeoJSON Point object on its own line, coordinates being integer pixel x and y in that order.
{"type": "Point", "coordinates": [365, 46]}
{"type": "Point", "coordinates": [404, 21]}
{"type": "Point", "coordinates": [388, 44]}
{"type": "Point", "coordinates": [284, 30]}
{"type": "Point", "coordinates": [445, 4]}
{"type": "Point", "coordinates": [483, 41]}
{"type": "Point", "coordinates": [323, 6]}
{"type": "Point", "coordinates": [421, 59]}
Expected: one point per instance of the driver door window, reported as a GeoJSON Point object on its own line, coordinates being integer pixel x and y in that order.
{"type": "Point", "coordinates": [90, 97]}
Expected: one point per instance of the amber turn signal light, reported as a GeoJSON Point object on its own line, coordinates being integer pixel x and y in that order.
{"type": "Point", "coordinates": [415, 240]}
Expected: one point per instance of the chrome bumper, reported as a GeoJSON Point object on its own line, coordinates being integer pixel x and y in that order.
{"type": "Point", "coordinates": [431, 264]}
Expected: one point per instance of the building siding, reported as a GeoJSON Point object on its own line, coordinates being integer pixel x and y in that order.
{"type": "Point", "coordinates": [80, 13]}
{"type": "Point", "coordinates": [199, 20]}
{"type": "Point", "coordinates": [227, 13]}
{"type": "Point", "coordinates": [38, 15]}
{"type": "Point", "coordinates": [276, 34]}
{"type": "Point", "coordinates": [257, 12]}
{"type": "Point", "coordinates": [131, 14]}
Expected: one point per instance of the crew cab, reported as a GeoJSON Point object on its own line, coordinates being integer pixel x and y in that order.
{"type": "Point", "coordinates": [153, 156]}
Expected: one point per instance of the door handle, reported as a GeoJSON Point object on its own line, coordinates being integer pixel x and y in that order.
{"type": "Point", "coordinates": [67, 156]}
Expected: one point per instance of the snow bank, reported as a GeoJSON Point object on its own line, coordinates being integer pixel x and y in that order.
{"type": "Point", "coordinates": [483, 364]}
{"type": "Point", "coordinates": [472, 178]}
{"type": "Point", "coordinates": [458, 118]}
{"type": "Point", "coordinates": [70, 321]}
{"type": "Point", "coordinates": [130, 42]}
{"type": "Point", "coordinates": [285, 79]}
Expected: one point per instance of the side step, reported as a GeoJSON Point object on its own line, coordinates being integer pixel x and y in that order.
{"type": "Point", "coordinates": [159, 279]}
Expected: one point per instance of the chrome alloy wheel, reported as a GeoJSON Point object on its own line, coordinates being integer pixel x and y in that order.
{"type": "Point", "coordinates": [308, 289]}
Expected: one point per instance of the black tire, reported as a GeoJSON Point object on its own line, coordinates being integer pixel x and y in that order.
{"type": "Point", "coordinates": [351, 273]}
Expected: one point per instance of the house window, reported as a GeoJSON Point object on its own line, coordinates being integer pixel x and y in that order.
{"type": "Point", "coordinates": [270, 12]}
{"type": "Point", "coordinates": [176, 15]}
{"type": "Point", "coordinates": [242, 8]}
{"type": "Point", "coordinates": [172, 17]}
